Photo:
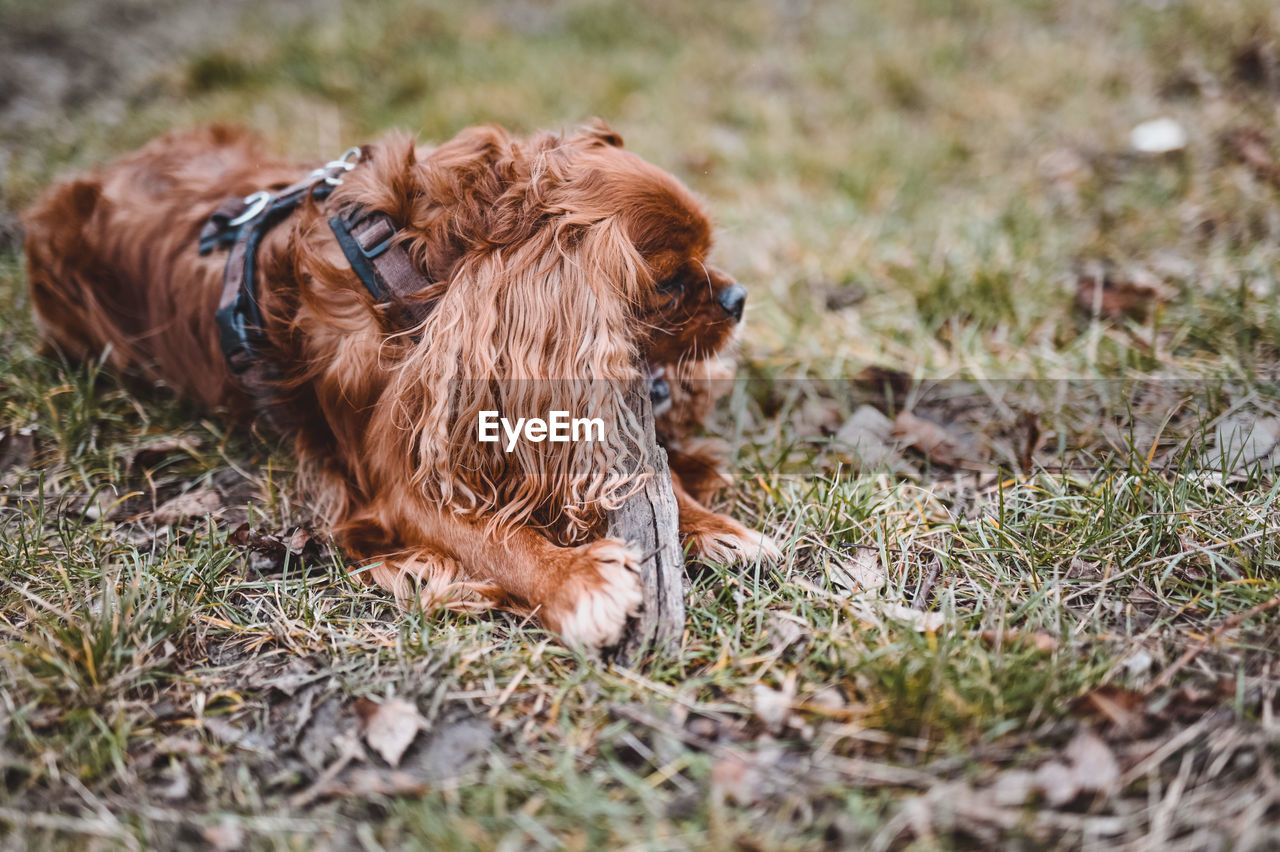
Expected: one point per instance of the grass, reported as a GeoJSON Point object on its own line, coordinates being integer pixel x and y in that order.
{"type": "Point", "coordinates": [914, 187]}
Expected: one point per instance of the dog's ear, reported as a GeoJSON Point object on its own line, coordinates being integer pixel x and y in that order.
{"type": "Point", "coordinates": [597, 129]}
{"type": "Point", "coordinates": [526, 331]}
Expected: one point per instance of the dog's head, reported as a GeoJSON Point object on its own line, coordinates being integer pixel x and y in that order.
{"type": "Point", "coordinates": [568, 269]}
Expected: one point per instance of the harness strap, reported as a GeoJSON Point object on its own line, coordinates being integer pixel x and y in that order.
{"type": "Point", "coordinates": [366, 237]}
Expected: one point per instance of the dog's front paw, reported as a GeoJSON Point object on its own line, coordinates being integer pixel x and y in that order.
{"type": "Point", "coordinates": [729, 543]}
{"type": "Point", "coordinates": [601, 591]}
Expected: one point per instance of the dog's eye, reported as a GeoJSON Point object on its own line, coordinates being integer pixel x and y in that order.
{"type": "Point", "coordinates": [675, 284]}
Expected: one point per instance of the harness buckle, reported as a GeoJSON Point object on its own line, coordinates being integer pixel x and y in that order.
{"type": "Point", "coordinates": [374, 251]}
{"type": "Point", "coordinates": [257, 202]}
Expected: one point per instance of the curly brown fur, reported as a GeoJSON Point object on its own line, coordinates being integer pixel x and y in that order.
{"type": "Point", "coordinates": [557, 264]}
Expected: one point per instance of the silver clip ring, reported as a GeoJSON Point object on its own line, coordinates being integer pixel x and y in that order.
{"type": "Point", "coordinates": [257, 203]}
{"type": "Point", "coordinates": [345, 163]}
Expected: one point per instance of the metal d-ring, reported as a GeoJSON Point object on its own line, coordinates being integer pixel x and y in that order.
{"type": "Point", "coordinates": [346, 163]}
{"type": "Point", "coordinates": [257, 202]}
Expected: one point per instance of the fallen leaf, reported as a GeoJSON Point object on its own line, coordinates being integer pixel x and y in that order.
{"type": "Point", "coordinates": [773, 706]}
{"type": "Point", "coordinates": [860, 573]}
{"type": "Point", "coordinates": [785, 630]}
{"type": "Point", "coordinates": [932, 439]}
{"type": "Point", "coordinates": [194, 504]}
{"type": "Point", "coordinates": [1099, 293]}
{"type": "Point", "coordinates": [816, 416]}
{"type": "Point", "coordinates": [390, 727]}
{"type": "Point", "coordinates": [1092, 762]}
{"type": "Point", "coordinates": [234, 735]}
{"type": "Point", "coordinates": [1086, 765]}
{"type": "Point", "coordinates": [1124, 710]}
{"type": "Point", "coordinates": [1057, 783]}
{"type": "Point", "coordinates": [868, 434]}
{"type": "Point", "coordinates": [267, 553]}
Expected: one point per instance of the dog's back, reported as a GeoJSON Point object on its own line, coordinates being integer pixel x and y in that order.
{"type": "Point", "coordinates": [112, 261]}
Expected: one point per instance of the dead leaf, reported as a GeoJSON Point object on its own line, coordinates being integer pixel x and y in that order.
{"type": "Point", "coordinates": [1138, 663]}
{"type": "Point", "coordinates": [234, 735]}
{"type": "Point", "coordinates": [1092, 762]}
{"type": "Point", "coordinates": [868, 434]}
{"type": "Point", "coordinates": [1124, 710]}
{"type": "Point", "coordinates": [1057, 783]}
{"type": "Point", "coordinates": [773, 706]}
{"type": "Point", "coordinates": [179, 786]}
{"type": "Point", "coordinates": [816, 416]}
{"type": "Point", "coordinates": [196, 503]}
{"type": "Point", "coordinates": [1101, 294]}
{"type": "Point", "coordinates": [932, 439]}
{"type": "Point", "coordinates": [267, 552]}
{"type": "Point", "coordinates": [1087, 765]}
{"type": "Point", "coordinates": [785, 630]}
{"type": "Point", "coordinates": [390, 727]}
{"type": "Point", "coordinates": [861, 573]}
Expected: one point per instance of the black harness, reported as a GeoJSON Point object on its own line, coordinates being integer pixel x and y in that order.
{"type": "Point", "coordinates": [367, 238]}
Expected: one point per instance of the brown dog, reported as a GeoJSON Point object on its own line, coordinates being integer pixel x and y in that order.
{"type": "Point", "coordinates": [555, 270]}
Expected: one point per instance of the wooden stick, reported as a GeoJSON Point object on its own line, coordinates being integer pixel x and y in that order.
{"type": "Point", "coordinates": [648, 521]}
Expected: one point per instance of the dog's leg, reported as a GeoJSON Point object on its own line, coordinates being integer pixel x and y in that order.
{"type": "Point", "coordinates": [716, 537]}
{"type": "Point", "coordinates": [583, 593]}
{"type": "Point", "coordinates": [699, 465]}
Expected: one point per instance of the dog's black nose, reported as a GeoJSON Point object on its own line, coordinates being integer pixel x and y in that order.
{"type": "Point", "coordinates": [732, 299]}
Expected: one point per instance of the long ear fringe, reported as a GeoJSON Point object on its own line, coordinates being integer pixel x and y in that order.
{"type": "Point", "coordinates": [526, 332]}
